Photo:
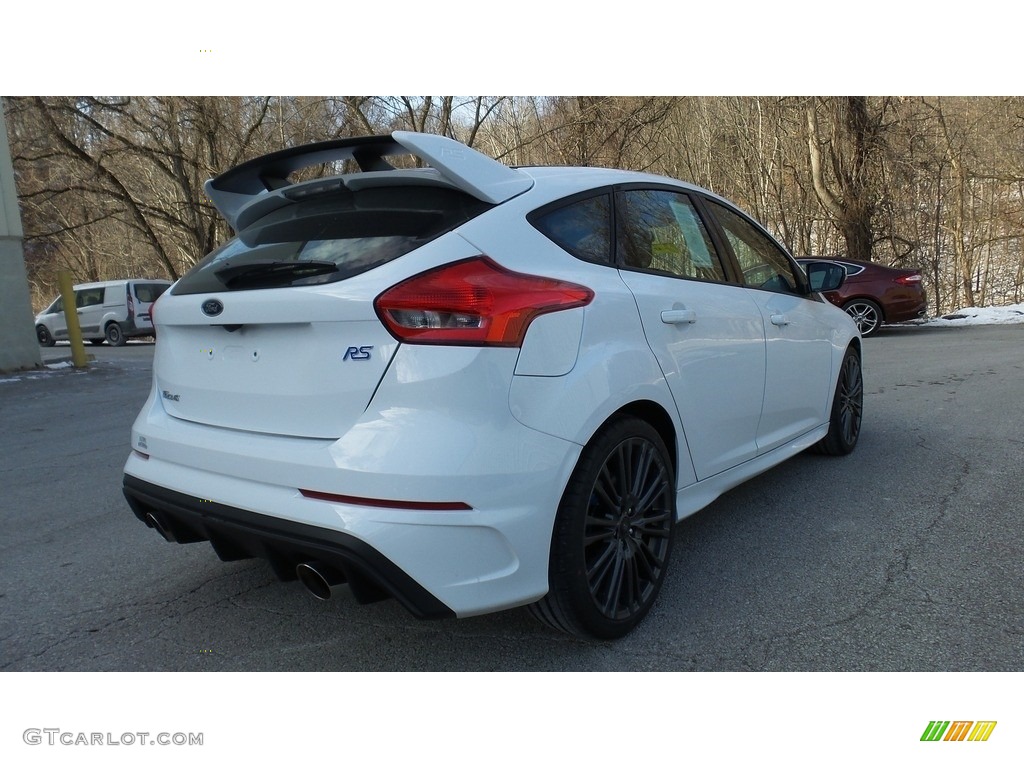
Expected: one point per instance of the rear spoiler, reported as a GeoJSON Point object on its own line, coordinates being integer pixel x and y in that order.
{"type": "Point", "coordinates": [474, 173]}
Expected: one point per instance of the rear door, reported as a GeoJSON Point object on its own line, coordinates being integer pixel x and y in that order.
{"type": "Point", "coordinates": [705, 332]}
{"type": "Point", "coordinates": [90, 302]}
{"type": "Point", "coordinates": [142, 296]}
{"type": "Point", "coordinates": [798, 331]}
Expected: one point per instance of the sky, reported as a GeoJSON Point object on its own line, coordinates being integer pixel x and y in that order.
{"type": "Point", "coordinates": [531, 47]}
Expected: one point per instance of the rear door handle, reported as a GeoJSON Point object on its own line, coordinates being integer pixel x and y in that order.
{"type": "Point", "coordinates": [678, 316]}
{"type": "Point", "coordinates": [780, 320]}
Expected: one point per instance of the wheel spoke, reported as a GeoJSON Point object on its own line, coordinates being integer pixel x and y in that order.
{"type": "Point", "coordinates": [630, 591]}
{"type": "Point", "coordinates": [651, 562]}
{"type": "Point", "coordinates": [615, 585]}
{"type": "Point", "coordinates": [657, 526]}
{"type": "Point", "coordinates": [597, 572]}
{"type": "Point", "coordinates": [654, 489]}
{"type": "Point", "coordinates": [598, 529]}
{"type": "Point", "coordinates": [622, 462]}
{"type": "Point", "coordinates": [642, 468]}
{"type": "Point", "coordinates": [606, 490]}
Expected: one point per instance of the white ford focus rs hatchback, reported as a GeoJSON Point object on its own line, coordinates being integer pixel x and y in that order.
{"type": "Point", "coordinates": [471, 387]}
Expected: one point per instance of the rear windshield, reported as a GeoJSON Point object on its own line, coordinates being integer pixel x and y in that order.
{"type": "Point", "coordinates": [330, 238]}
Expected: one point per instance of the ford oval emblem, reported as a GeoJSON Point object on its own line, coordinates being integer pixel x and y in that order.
{"type": "Point", "coordinates": [212, 307]}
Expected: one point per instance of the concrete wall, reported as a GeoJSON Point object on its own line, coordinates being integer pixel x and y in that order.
{"type": "Point", "coordinates": [18, 346]}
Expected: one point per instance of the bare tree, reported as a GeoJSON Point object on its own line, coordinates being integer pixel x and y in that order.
{"type": "Point", "coordinates": [842, 162]}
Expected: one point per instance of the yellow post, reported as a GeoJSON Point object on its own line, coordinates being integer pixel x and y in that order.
{"type": "Point", "coordinates": [67, 294]}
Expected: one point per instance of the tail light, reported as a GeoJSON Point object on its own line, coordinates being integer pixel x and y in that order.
{"type": "Point", "coordinates": [474, 302]}
{"type": "Point", "coordinates": [913, 279]}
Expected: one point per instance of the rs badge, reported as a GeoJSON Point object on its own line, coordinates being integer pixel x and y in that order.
{"type": "Point", "coordinates": [357, 353]}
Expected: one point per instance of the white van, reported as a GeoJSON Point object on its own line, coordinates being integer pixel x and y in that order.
{"type": "Point", "coordinates": [114, 311]}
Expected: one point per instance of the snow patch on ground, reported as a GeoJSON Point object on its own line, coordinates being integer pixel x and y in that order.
{"type": "Point", "coordinates": [1014, 313]}
{"type": "Point", "coordinates": [39, 373]}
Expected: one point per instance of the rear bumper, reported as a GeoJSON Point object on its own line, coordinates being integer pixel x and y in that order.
{"type": "Point", "coordinates": [910, 308]}
{"type": "Point", "coordinates": [237, 534]}
{"type": "Point", "coordinates": [241, 491]}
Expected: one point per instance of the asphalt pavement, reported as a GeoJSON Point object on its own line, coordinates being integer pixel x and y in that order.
{"type": "Point", "coordinates": [904, 556]}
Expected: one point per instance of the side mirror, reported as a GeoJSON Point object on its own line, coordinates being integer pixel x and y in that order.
{"type": "Point", "coordinates": [824, 276]}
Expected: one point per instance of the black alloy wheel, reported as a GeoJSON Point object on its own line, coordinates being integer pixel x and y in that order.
{"type": "Point", "coordinates": [613, 533]}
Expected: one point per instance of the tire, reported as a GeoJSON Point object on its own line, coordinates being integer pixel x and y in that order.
{"type": "Point", "coordinates": [114, 335]}
{"type": "Point", "coordinates": [44, 336]}
{"type": "Point", "coordinates": [866, 314]}
{"type": "Point", "coordinates": [613, 534]}
{"type": "Point", "coordinates": [847, 409]}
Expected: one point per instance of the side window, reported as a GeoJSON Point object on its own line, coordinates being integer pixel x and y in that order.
{"type": "Point", "coordinates": [661, 231]}
{"type": "Point", "coordinates": [582, 228]}
{"type": "Point", "coordinates": [89, 297]}
{"type": "Point", "coordinates": [762, 263]}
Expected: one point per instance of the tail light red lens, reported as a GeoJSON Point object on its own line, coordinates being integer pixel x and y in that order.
{"type": "Point", "coordinates": [909, 279]}
{"type": "Point", "coordinates": [474, 302]}
{"type": "Point", "coordinates": [421, 506]}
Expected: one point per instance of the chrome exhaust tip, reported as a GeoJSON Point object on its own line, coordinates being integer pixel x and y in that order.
{"type": "Point", "coordinates": [156, 524]}
{"type": "Point", "coordinates": [321, 580]}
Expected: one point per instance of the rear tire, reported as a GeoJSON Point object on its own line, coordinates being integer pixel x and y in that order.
{"type": "Point", "coordinates": [866, 314]}
{"type": "Point", "coordinates": [613, 534]}
{"type": "Point", "coordinates": [847, 409]}
{"type": "Point", "coordinates": [114, 335]}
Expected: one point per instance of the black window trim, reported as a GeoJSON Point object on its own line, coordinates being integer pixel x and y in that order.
{"type": "Point", "coordinates": [534, 216]}
{"type": "Point", "coordinates": [700, 199]}
{"type": "Point", "coordinates": [733, 276]}
{"type": "Point", "coordinates": [803, 286]}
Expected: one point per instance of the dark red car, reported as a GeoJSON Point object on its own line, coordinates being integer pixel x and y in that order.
{"type": "Point", "coordinates": [873, 294]}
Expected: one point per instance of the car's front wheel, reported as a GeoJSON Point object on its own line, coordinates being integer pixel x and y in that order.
{"type": "Point", "coordinates": [847, 409]}
{"type": "Point", "coordinates": [866, 314]}
{"type": "Point", "coordinates": [613, 533]}
{"type": "Point", "coordinates": [44, 336]}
